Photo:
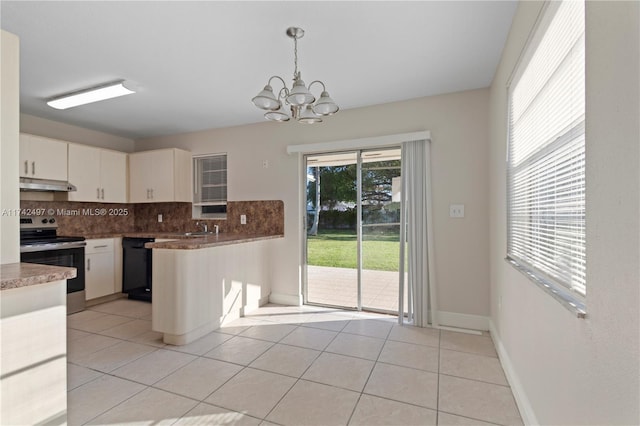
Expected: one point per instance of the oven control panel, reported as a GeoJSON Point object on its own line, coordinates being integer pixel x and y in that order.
{"type": "Point", "coordinates": [27, 222]}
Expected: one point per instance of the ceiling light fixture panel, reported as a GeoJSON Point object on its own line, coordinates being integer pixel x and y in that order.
{"type": "Point", "coordinates": [87, 96]}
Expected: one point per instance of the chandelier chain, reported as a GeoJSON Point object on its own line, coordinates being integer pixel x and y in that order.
{"type": "Point", "coordinates": [295, 57]}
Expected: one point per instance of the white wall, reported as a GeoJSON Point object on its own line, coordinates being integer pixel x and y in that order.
{"type": "Point", "coordinates": [56, 130]}
{"type": "Point", "coordinates": [566, 370]}
{"type": "Point", "coordinates": [459, 128]}
{"type": "Point", "coordinates": [9, 159]}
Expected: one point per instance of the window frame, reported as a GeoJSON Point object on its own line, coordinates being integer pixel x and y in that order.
{"type": "Point", "coordinates": [197, 207]}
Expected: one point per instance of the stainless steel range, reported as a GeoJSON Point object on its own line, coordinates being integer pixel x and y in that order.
{"type": "Point", "coordinates": [40, 243]}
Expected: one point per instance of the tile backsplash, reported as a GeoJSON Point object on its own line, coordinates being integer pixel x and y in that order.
{"type": "Point", "coordinates": [263, 217]}
{"type": "Point", "coordinates": [75, 218]}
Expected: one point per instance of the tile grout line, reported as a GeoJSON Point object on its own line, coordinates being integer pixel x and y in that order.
{"type": "Point", "coordinates": [143, 384]}
{"type": "Point", "coordinates": [470, 353]}
{"type": "Point", "coordinates": [470, 418]}
{"type": "Point", "coordinates": [475, 380]}
{"type": "Point", "coordinates": [146, 386]}
{"type": "Point", "coordinates": [297, 326]}
{"type": "Point", "coordinates": [386, 339]}
{"type": "Point", "coordinates": [244, 367]}
{"type": "Point", "coordinates": [118, 404]}
{"type": "Point", "coordinates": [297, 379]}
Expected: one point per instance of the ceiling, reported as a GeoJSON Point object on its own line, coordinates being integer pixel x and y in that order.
{"type": "Point", "coordinates": [196, 65]}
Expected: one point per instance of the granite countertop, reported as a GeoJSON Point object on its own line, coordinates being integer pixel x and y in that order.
{"type": "Point", "coordinates": [200, 242]}
{"type": "Point", "coordinates": [15, 275]}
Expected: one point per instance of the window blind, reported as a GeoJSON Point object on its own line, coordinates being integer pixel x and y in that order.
{"type": "Point", "coordinates": [546, 152]}
{"type": "Point", "coordinates": [210, 186]}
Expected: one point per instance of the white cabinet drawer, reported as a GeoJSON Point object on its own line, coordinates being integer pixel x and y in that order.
{"type": "Point", "coordinates": [102, 245]}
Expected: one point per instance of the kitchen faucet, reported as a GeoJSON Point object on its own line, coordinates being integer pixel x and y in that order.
{"type": "Point", "coordinates": [205, 228]}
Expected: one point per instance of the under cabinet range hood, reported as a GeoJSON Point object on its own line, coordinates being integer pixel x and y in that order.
{"type": "Point", "coordinates": [30, 184]}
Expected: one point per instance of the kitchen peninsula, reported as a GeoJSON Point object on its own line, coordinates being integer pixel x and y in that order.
{"type": "Point", "coordinates": [33, 327]}
{"type": "Point", "coordinates": [199, 283]}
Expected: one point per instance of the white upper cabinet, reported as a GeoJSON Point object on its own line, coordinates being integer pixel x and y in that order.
{"type": "Point", "coordinates": [113, 174]}
{"type": "Point", "coordinates": [42, 158]}
{"type": "Point", "coordinates": [160, 176]}
{"type": "Point", "coordinates": [84, 173]}
{"type": "Point", "coordinates": [99, 174]}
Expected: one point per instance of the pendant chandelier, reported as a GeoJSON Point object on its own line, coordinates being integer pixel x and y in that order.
{"type": "Point", "coordinates": [302, 103]}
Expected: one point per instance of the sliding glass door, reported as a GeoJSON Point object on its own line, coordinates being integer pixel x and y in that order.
{"type": "Point", "coordinates": [331, 248]}
{"type": "Point", "coordinates": [353, 229]}
{"type": "Point", "coordinates": [380, 229]}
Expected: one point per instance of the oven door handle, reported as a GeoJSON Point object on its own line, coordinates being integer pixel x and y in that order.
{"type": "Point", "coordinates": [52, 246]}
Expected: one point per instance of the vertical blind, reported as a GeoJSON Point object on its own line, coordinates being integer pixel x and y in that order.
{"type": "Point", "coordinates": [546, 153]}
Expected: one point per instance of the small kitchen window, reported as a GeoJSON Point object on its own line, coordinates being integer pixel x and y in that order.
{"type": "Point", "coordinates": [210, 186]}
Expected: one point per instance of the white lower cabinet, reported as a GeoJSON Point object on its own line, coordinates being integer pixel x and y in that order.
{"type": "Point", "coordinates": [100, 267]}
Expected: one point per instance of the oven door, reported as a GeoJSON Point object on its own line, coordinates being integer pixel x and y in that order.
{"type": "Point", "coordinates": [71, 257]}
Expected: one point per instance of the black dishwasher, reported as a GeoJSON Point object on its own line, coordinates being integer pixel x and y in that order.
{"type": "Point", "coordinates": [136, 268]}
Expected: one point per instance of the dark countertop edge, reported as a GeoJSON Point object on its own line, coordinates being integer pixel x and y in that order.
{"type": "Point", "coordinates": [172, 235]}
{"type": "Point", "coordinates": [211, 241]}
{"type": "Point", "coordinates": [16, 275]}
{"type": "Point", "coordinates": [162, 235]}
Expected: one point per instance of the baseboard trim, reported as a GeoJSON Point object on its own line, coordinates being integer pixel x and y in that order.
{"type": "Point", "coordinates": [470, 322]}
{"type": "Point", "coordinates": [522, 401]}
{"type": "Point", "coordinates": [285, 299]}
{"type": "Point", "coordinates": [104, 299]}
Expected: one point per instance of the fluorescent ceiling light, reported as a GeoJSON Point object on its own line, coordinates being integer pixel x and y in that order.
{"type": "Point", "coordinates": [95, 94]}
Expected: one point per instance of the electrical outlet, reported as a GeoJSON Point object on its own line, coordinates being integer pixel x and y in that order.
{"type": "Point", "coordinates": [159, 218]}
{"type": "Point", "coordinates": [456, 210]}
{"type": "Point", "coordinates": [265, 164]}
{"type": "Point", "coordinates": [243, 219]}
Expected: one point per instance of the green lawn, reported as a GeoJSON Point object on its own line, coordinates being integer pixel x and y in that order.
{"type": "Point", "coordinates": [338, 248]}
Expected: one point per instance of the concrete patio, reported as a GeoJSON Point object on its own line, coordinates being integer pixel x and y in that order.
{"type": "Point", "coordinates": [338, 287]}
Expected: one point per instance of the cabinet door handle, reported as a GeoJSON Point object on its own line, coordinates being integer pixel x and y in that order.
{"type": "Point", "coordinates": [26, 167]}
{"type": "Point", "coordinates": [98, 193]}
{"type": "Point", "coordinates": [33, 168]}
{"type": "Point", "coordinates": [147, 193]}
{"type": "Point", "coordinates": [89, 264]}
{"type": "Point", "coordinates": [102, 192]}
{"type": "Point", "coordinates": [100, 246]}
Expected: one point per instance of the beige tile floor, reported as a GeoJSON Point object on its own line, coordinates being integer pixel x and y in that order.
{"type": "Point", "coordinates": [283, 366]}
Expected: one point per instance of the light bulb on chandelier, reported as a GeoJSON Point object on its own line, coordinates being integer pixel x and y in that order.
{"type": "Point", "coordinates": [299, 98]}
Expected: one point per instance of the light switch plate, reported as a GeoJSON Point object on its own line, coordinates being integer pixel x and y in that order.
{"type": "Point", "coordinates": [456, 210]}
{"type": "Point", "coordinates": [243, 219]}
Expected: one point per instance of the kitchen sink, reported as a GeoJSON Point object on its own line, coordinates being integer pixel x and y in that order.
{"type": "Point", "coordinates": [197, 234]}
